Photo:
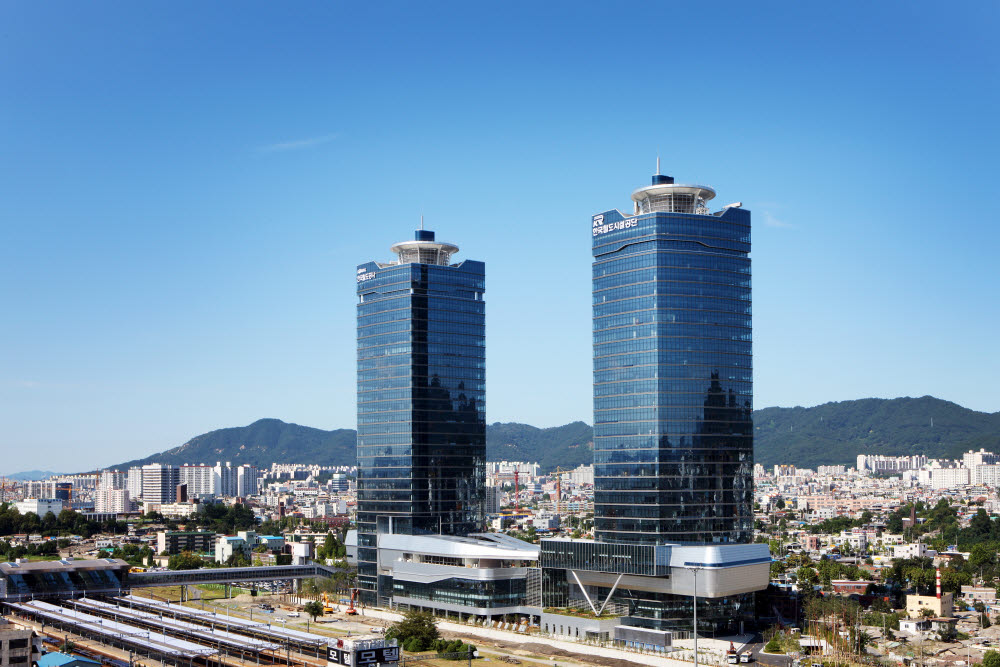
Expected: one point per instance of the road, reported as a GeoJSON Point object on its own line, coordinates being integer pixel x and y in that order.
{"type": "Point", "coordinates": [767, 659]}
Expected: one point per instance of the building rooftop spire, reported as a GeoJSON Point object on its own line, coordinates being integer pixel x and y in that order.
{"type": "Point", "coordinates": [665, 195]}
{"type": "Point", "coordinates": [424, 249]}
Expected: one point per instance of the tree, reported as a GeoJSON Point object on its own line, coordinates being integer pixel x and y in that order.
{"type": "Point", "coordinates": [982, 554]}
{"type": "Point", "coordinates": [314, 608]}
{"type": "Point", "coordinates": [980, 525]}
{"type": "Point", "coordinates": [806, 578]}
{"type": "Point", "coordinates": [238, 559]}
{"type": "Point", "coordinates": [859, 640]}
{"type": "Point", "coordinates": [417, 631]}
{"type": "Point", "coordinates": [329, 548]}
{"type": "Point", "coordinates": [185, 560]}
{"type": "Point", "coordinates": [991, 659]}
{"type": "Point", "coordinates": [953, 580]}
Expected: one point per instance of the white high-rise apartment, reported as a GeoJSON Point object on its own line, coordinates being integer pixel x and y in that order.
{"type": "Point", "coordinates": [111, 480]}
{"type": "Point", "coordinates": [225, 479]}
{"type": "Point", "coordinates": [113, 500]}
{"type": "Point", "coordinates": [200, 479]}
{"type": "Point", "coordinates": [133, 482]}
{"type": "Point", "coordinates": [247, 481]}
{"type": "Point", "coordinates": [972, 459]}
{"type": "Point", "coordinates": [159, 483]}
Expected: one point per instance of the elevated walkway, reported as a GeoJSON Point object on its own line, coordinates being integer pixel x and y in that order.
{"type": "Point", "coordinates": [22, 581]}
{"type": "Point", "coordinates": [228, 575]}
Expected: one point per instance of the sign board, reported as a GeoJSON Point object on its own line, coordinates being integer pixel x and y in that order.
{"type": "Point", "coordinates": [600, 227]}
{"type": "Point", "coordinates": [362, 657]}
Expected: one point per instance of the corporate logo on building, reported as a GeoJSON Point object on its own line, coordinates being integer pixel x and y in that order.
{"type": "Point", "coordinates": [600, 227]}
{"type": "Point", "coordinates": [365, 274]}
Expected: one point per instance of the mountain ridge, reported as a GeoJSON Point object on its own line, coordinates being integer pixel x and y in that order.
{"type": "Point", "coordinates": [30, 475]}
{"type": "Point", "coordinates": [826, 434]}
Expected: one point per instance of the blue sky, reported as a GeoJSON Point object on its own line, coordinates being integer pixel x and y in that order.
{"type": "Point", "coordinates": [186, 189]}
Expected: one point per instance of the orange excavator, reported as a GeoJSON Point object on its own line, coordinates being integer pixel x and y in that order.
{"type": "Point", "coordinates": [351, 611]}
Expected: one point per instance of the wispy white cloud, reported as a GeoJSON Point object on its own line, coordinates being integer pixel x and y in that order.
{"type": "Point", "coordinates": [36, 385]}
{"type": "Point", "coordinates": [771, 221]}
{"type": "Point", "coordinates": [298, 144]}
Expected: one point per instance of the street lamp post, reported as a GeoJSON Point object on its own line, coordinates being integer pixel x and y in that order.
{"type": "Point", "coordinates": [694, 621]}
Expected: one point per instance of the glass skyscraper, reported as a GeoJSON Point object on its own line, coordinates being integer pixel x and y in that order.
{"type": "Point", "coordinates": [421, 399]}
{"type": "Point", "coordinates": [673, 387]}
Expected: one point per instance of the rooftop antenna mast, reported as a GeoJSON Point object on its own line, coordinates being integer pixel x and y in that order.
{"type": "Point", "coordinates": [421, 222]}
{"type": "Point", "coordinates": [657, 164]}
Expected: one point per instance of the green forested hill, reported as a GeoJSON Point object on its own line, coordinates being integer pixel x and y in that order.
{"type": "Point", "coordinates": [271, 440]}
{"type": "Point", "coordinates": [835, 433]}
{"type": "Point", "coordinates": [262, 443]}
{"type": "Point", "coordinates": [825, 434]}
{"type": "Point", "coordinates": [567, 446]}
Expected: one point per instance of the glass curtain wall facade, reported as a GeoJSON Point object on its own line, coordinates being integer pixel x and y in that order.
{"type": "Point", "coordinates": [421, 399]}
{"type": "Point", "coordinates": [673, 387]}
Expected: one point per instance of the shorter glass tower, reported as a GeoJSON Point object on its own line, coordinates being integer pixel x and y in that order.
{"type": "Point", "coordinates": [421, 399]}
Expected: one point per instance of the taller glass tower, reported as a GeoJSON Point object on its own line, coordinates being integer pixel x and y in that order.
{"type": "Point", "coordinates": [673, 386]}
{"type": "Point", "coordinates": [421, 399]}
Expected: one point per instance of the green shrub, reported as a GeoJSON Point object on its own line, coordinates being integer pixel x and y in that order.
{"type": "Point", "coordinates": [415, 645]}
{"type": "Point", "coordinates": [773, 646]}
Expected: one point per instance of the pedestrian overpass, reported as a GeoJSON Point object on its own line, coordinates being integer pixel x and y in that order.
{"type": "Point", "coordinates": [68, 578]}
{"type": "Point", "coordinates": [228, 575]}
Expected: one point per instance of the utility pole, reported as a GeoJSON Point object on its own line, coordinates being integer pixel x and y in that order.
{"type": "Point", "coordinates": [517, 491]}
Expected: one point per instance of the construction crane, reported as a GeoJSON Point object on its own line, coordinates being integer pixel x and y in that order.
{"type": "Point", "coordinates": [4, 485]}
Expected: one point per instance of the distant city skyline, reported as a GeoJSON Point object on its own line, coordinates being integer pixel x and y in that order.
{"type": "Point", "coordinates": [185, 199]}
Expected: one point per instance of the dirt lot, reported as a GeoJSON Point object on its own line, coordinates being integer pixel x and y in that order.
{"type": "Point", "coordinates": [532, 652]}
{"type": "Point", "coordinates": [541, 652]}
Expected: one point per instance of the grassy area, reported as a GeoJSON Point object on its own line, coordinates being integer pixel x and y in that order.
{"type": "Point", "coordinates": [441, 662]}
{"type": "Point", "coordinates": [171, 593]}
{"type": "Point", "coordinates": [578, 613]}
{"type": "Point", "coordinates": [220, 590]}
